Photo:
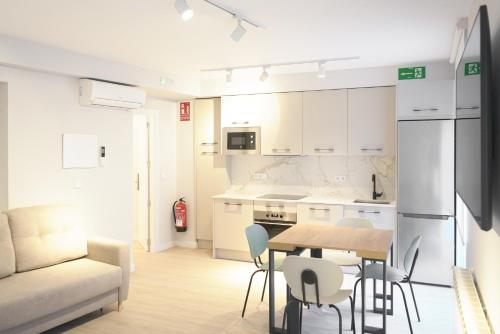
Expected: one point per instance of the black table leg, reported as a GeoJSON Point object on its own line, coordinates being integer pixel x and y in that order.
{"type": "Point", "coordinates": [271, 293]}
{"type": "Point", "coordinates": [363, 291]}
{"type": "Point", "coordinates": [384, 303]}
{"type": "Point", "coordinates": [317, 252]}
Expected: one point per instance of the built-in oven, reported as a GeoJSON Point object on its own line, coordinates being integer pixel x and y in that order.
{"type": "Point", "coordinates": [275, 219]}
{"type": "Point", "coordinates": [241, 140]}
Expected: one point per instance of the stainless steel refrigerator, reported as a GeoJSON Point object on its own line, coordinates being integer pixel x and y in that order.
{"type": "Point", "coordinates": [426, 196]}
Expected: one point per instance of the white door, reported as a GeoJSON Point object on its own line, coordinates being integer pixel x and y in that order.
{"type": "Point", "coordinates": [325, 122]}
{"type": "Point", "coordinates": [141, 181]}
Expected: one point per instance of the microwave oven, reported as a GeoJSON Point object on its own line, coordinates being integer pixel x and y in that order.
{"type": "Point", "coordinates": [244, 140]}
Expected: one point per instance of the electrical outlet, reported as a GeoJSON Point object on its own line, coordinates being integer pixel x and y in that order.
{"type": "Point", "coordinates": [340, 178]}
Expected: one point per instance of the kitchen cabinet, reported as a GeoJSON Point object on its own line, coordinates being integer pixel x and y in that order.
{"type": "Point", "coordinates": [319, 213]}
{"type": "Point", "coordinates": [231, 218]}
{"type": "Point", "coordinates": [281, 129]}
{"type": "Point", "coordinates": [381, 217]}
{"type": "Point", "coordinates": [425, 99]}
{"type": "Point", "coordinates": [243, 110]}
{"type": "Point", "coordinates": [372, 121]}
{"type": "Point", "coordinates": [210, 168]}
{"type": "Point", "coordinates": [325, 122]}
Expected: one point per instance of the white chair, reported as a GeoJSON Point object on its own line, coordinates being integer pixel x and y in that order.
{"type": "Point", "coordinates": [347, 259]}
{"type": "Point", "coordinates": [316, 281]}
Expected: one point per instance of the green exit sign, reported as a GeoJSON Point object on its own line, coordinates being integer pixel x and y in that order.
{"type": "Point", "coordinates": [472, 68]}
{"type": "Point", "coordinates": [411, 73]}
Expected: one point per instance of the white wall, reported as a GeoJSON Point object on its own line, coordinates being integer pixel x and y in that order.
{"type": "Point", "coordinates": [164, 171]}
{"type": "Point", "coordinates": [41, 108]}
{"type": "Point", "coordinates": [185, 177]}
{"type": "Point", "coordinates": [3, 147]}
{"type": "Point", "coordinates": [483, 248]}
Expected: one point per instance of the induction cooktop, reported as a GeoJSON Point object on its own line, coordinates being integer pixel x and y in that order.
{"type": "Point", "coordinates": [282, 196]}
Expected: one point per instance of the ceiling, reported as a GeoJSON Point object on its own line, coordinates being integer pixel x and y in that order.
{"type": "Point", "coordinates": [151, 34]}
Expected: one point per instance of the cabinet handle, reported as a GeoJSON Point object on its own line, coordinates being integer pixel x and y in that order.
{"type": "Point", "coordinates": [372, 149]}
{"type": "Point", "coordinates": [245, 122]}
{"type": "Point", "coordinates": [425, 109]}
{"type": "Point", "coordinates": [319, 209]}
{"type": "Point", "coordinates": [209, 144]}
{"type": "Point", "coordinates": [324, 149]}
{"type": "Point", "coordinates": [281, 150]}
{"type": "Point", "coordinates": [209, 153]}
{"type": "Point", "coordinates": [363, 211]}
{"type": "Point", "coordinates": [238, 204]}
{"type": "Point", "coordinates": [468, 108]}
{"type": "Point", "coordinates": [275, 206]}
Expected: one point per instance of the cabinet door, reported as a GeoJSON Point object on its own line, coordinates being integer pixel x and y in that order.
{"type": "Point", "coordinates": [381, 217]}
{"type": "Point", "coordinates": [210, 167]}
{"type": "Point", "coordinates": [425, 99]}
{"type": "Point", "coordinates": [242, 110]}
{"type": "Point", "coordinates": [281, 132]}
{"type": "Point", "coordinates": [231, 218]}
{"type": "Point", "coordinates": [318, 213]}
{"type": "Point", "coordinates": [325, 122]}
{"type": "Point", "coordinates": [372, 121]}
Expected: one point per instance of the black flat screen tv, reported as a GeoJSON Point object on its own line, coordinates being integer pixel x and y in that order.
{"type": "Point", "coordinates": [474, 123]}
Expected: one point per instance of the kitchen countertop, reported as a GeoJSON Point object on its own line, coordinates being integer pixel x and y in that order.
{"type": "Point", "coordinates": [328, 200]}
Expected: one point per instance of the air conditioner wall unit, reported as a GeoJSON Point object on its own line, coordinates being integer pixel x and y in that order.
{"type": "Point", "coordinates": [105, 94]}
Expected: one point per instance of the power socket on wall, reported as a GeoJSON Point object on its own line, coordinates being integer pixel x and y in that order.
{"type": "Point", "coordinates": [340, 179]}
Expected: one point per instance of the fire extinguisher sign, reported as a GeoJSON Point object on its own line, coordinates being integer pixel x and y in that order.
{"type": "Point", "coordinates": [185, 111]}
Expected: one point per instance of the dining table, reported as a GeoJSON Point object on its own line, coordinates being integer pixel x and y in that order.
{"type": "Point", "coordinates": [370, 244]}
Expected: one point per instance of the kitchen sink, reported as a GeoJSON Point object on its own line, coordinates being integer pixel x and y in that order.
{"type": "Point", "coordinates": [372, 201]}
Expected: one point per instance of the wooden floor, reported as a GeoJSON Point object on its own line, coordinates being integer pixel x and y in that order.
{"type": "Point", "coordinates": [186, 291]}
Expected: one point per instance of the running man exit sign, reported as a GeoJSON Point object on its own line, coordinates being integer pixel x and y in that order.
{"type": "Point", "coordinates": [472, 68]}
{"type": "Point", "coordinates": [411, 73]}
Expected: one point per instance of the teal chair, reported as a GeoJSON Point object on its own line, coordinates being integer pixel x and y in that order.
{"type": "Point", "coordinates": [257, 242]}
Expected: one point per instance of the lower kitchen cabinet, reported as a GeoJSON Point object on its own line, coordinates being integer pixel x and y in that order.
{"type": "Point", "coordinates": [319, 213]}
{"type": "Point", "coordinates": [381, 217]}
{"type": "Point", "coordinates": [231, 218]}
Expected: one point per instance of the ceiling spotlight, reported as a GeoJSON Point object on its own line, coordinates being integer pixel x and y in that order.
{"type": "Point", "coordinates": [183, 9]}
{"type": "Point", "coordinates": [229, 75]}
{"type": "Point", "coordinates": [264, 75]}
{"type": "Point", "coordinates": [238, 32]}
{"type": "Point", "coordinates": [321, 70]}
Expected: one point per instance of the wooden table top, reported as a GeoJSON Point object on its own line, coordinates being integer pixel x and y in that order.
{"type": "Point", "coordinates": [369, 243]}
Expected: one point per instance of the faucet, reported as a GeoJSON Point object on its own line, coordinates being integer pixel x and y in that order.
{"type": "Point", "coordinates": [375, 194]}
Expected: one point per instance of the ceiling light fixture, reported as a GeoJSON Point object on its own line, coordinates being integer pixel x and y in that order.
{"type": "Point", "coordinates": [321, 66]}
{"type": "Point", "coordinates": [229, 75]}
{"type": "Point", "coordinates": [184, 10]}
{"type": "Point", "coordinates": [321, 70]}
{"type": "Point", "coordinates": [264, 75]}
{"type": "Point", "coordinates": [239, 31]}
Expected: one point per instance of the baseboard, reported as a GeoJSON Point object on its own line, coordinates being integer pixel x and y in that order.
{"type": "Point", "coordinates": [186, 243]}
{"type": "Point", "coordinates": [163, 246]}
{"type": "Point", "coordinates": [227, 254]}
{"type": "Point", "coordinates": [205, 244]}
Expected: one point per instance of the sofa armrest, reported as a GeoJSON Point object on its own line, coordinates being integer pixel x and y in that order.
{"type": "Point", "coordinates": [112, 252]}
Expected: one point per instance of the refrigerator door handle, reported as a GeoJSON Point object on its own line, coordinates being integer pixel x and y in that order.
{"type": "Point", "coordinates": [424, 216]}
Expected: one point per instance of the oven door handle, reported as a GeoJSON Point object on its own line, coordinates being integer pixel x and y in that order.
{"type": "Point", "coordinates": [272, 223]}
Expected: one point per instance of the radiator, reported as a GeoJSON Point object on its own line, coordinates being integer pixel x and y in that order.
{"type": "Point", "coordinates": [470, 309]}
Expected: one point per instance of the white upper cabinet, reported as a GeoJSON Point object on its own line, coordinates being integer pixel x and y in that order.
{"type": "Point", "coordinates": [242, 110]}
{"type": "Point", "coordinates": [281, 128]}
{"type": "Point", "coordinates": [372, 121]}
{"type": "Point", "coordinates": [425, 99]}
{"type": "Point", "coordinates": [325, 122]}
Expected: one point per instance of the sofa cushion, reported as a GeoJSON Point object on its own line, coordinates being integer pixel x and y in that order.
{"type": "Point", "coordinates": [7, 257]}
{"type": "Point", "coordinates": [34, 294]}
{"type": "Point", "coordinates": [46, 235]}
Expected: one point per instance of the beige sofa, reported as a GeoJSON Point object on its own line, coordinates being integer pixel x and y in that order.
{"type": "Point", "coordinates": [49, 272]}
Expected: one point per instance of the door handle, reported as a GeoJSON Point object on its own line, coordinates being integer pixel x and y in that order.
{"type": "Point", "coordinates": [363, 211]}
{"type": "Point", "coordinates": [319, 209]}
{"type": "Point", "coordinates": [138, 182]}
{"type": "Point", "coordinates": [324, 149]}
{"type": "Point", "coordinates": [281, 150]}
{"type": "Point", "coordinates": [372, 149]}
{"type": "Point", "coordinates": [208, 144]}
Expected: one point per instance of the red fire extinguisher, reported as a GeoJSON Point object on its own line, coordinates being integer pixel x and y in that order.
{"type": "Point", "coordinates": [179, 210]}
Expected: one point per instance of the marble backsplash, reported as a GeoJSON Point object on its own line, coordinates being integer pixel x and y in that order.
{"type": "Point", "coordinates": [313, 175]}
